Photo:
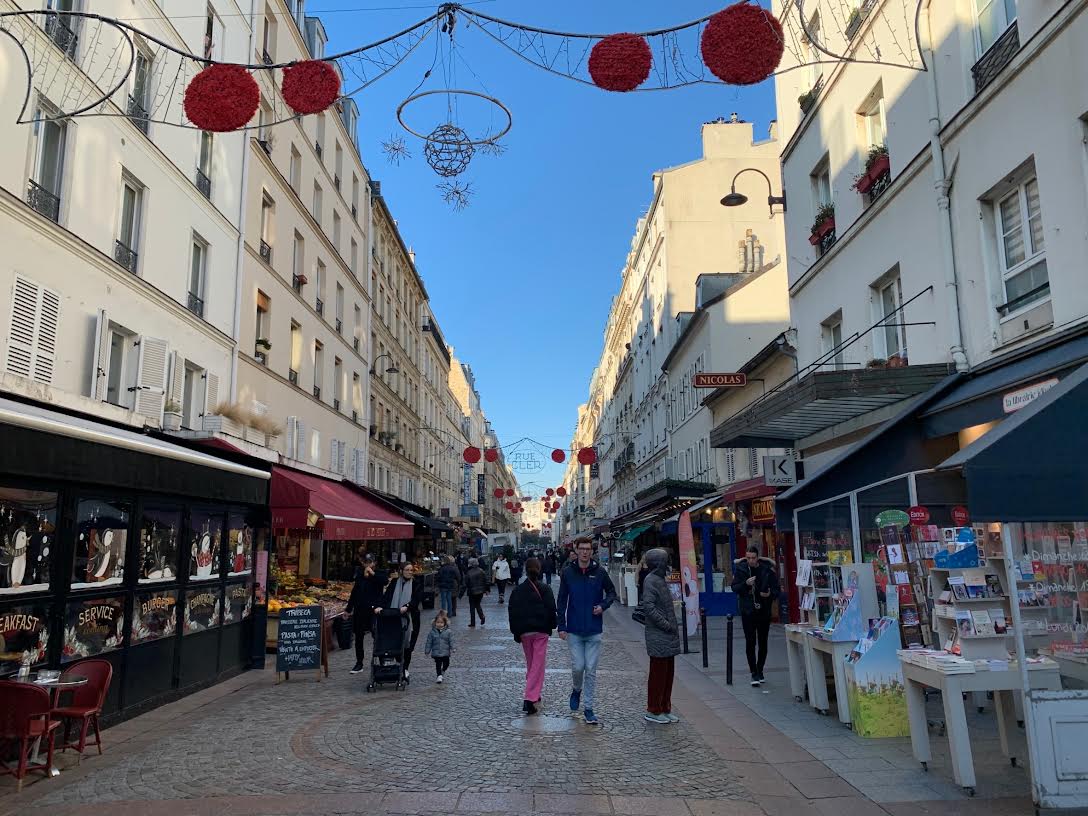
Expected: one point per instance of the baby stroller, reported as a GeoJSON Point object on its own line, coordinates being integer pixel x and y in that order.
{"type": "Point", "coordinates": [390, 637]}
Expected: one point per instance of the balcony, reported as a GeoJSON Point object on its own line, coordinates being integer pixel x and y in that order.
{"type": "Point", "coordinates": [335, 404]}
{"type": "Point", "coordinates": [354, 212]}
{"type": "Point", "coordinates": [261, 357]}
{"type": "Point", "coordinates": [266, 145]}
{"type": "Point", "coordinates": [126, 256]}
{"type": "Point", "coordinates": [297, 282]}
{"type": "Point", "coordinates": [996, 58]}
{"type": "Point", "coordinates": [319, 306]}
{"type": "Point", "coordinates": [339, 326]}
{"type": "Point", "coordinates": [292, 376]}
{"type": "Point", "coordinates": [62, 35]}
{"type": "Point", "coordinates": [204, 184]}
{"type": "Point", "coordinates": [266, 58]}
{"type": "Point", "coordinates": [266, 252]}
{"type": "Point", "coordinates": [336, 182]}
{"type": "Point", "coordinates": [355, 343]}
{"type": "Point", "coordinates": [137, 114]}
{"type": "Point", "coordinates": [317, 391]}
{"type": "Point", "coordinates": [42, 201]}
{"type": "Point", "coordinates": [320, 150]}
{"type": "Point", "coordinates": [195, 304]}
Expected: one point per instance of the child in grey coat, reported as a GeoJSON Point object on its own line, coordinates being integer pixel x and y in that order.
{"type": "Point", "coordinates": [440, 644]}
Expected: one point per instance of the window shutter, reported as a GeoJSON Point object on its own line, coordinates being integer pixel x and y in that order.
{"type": "Point", "coordinates": [315, 447]}
{"type": "Point", "coordinates": [360, 466]}
{"type": "Point", "coordinates": [211, 393]}
{"type": "Point", "coordinates": [101, 360]}
{"type": "Point", "coordinates": [334, 447]}
{"type": "Point", "coordinates": [32, 337]}
{"type": "Point", "coordinates": [300, 440]}
{"type": "Point", "coordinates": [753, 462]}
{"type": "Point", "coordinates": [151, 378]}
{"type": "Point", "coordinates": [177, 379]}
{"type": "Point", "coordinates": [341, 455]}
{"type": "Point", "coordinates": [731, 465]}
{"type": "Point", "coordinates": [45, 354]}
{"type": "Point", "coordinates": [353, 464]}
{"type": "Point", "coordinates": [291, 441]}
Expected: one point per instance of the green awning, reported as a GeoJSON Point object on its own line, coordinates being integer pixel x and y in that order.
{"type": "Point", "coordinates": [635, 532]}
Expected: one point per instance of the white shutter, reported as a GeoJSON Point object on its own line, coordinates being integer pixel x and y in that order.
{"type": "Point", "coordinates": [315, 447]}
{"type": "Point", "coordinates": [291, 443]}
{"type": "Point", "coordinates": [731, 465]}
{"type": "Point", "coordinates": [341, 455]}
{"type": "Point", "coordinates": [334, 448]}
{"type": "Point", "coordinates": [211, 393]}
{"type": "Point", "coordinates": [32, 337]}
{"type": "Point", "coordinates": [151, 378]}
{"type": "Point", "coordinates": [753, 462]}
{"type": "Point", "coordinates": [353, 464]}
{"type": "Point", "coordinates": [300, 440]}
{"type": "Point", "coordinates": [177, 379]}
{"type": "Point", "coordinates": [358, 468]}
{"type": "Point", "coordinates": [101, 360]}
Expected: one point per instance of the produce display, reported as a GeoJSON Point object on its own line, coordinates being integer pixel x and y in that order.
{"type": "Point", "coordinates": [293, 590]}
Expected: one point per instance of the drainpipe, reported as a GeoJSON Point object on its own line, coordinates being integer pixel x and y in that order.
{"type": "Point", "coordinates": [239, 258]}
{"type": "Point", "coordinates": [942, 184]}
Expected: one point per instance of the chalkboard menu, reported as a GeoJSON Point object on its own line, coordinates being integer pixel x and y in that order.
{"type": "Point", "coordinates": [298, 644]}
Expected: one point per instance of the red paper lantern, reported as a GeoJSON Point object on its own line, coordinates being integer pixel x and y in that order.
{"type": "Point", "coordinates": [742, 44]}
{"type": "Point", "coordinates": [558, 456]}
{"type": "Point", "coordinates": [620, 62]}
{"type": "Point", "coordinates": [587, 456]}
{"type": "Point", "coordinates": [555, 507]}
{"type": "Point", "coordinates": [472, 455]}
{"type": "Point", "coordinates": [509, 505]}
{"type": "Point", "coordinates": [549, 492]}
{"type": "Point", "coordinates": [497, 492]}
{"type": "Point", "coordinates": [560, 491]}
{"type": "Point", "coordinates": [491, 454]}
{"type": "Point", "coordinates": [310, 86]}
{"type": "Point", "coordinates": [509, 491]}
{"type": "Point", "coordinates": [222, 98]}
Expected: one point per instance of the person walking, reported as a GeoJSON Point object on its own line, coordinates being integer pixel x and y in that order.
{"type": "Point", "coordinates": [439, 644]}
{"type": "Point", "coordinates": [366, 594]}
{"type": "Point", "coordinates": [662, 637]}
{"type": "Point", "coordinates": [549, 568]}
{"type": "Point", "coordinates": [501, 571]}
{"type": "Point", "coordinates": [448, 582]}
{"type": "Point", "coordinates": [532, 618]}
{"type": "Point", "coordinates": [405, 592]}
{"type": "Point", "coordinates": [755, 583]}
{"type": "Point", "coordinates": [585, 592]}
{"type": "Point", "coordinates": [475, 585]}
{"type": "Point", "coordinates": [515, 570]}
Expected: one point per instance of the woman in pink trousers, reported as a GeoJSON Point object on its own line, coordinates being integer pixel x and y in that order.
{"type": "Point", "coordinates": [532, 619]}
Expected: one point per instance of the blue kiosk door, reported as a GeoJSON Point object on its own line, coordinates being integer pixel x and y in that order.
{"type": "Point", "coordinates": [716, 603]}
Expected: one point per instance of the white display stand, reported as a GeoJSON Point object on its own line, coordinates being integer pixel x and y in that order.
{"type": "Point", "coordinates": [630, 585]}
{"type": "Point", "coordinates": [795, 656]}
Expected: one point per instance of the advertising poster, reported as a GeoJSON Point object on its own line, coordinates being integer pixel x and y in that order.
{"type": "Point", "coordinates": [23, 629]}
{"type": "Point", "coordinates": [689, 571]}
{"type": "Point", "coordinates": [93, 626]}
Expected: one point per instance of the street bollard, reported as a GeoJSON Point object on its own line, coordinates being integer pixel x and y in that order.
{"type": "Point", "coordinates": [729, 650]}
{"type": "Point", "coordinates": [684, 623]}
{"type": "Point", "coordinates": [702, 625]}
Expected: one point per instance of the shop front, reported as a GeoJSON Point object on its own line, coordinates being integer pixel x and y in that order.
{"type": "Point", "coordinates": [714, 531]}
{"type": "Point", "coordinates": [753, 504]}
{"type": "Point", "coordinates": [126, 547]}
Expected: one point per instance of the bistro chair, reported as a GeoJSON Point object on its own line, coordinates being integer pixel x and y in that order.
{"type": "Point", "coordinates": [24, 719]}
{"type": "Point", "coordinates": [85, 704]}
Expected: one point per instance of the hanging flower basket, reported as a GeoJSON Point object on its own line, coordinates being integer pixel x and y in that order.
{"type": "Point", "coordinates": [310, 86]}
{"type": "Point", "coordinates": [222, 98]}
{"type": "Point", "coordinates": [820, 231]}
{"type": "Point", "coordinates": [878, 166]}
{"type": "Point", "coordinates": [742, 44]}
{"type": "Point", "coordinates": [620, 62]}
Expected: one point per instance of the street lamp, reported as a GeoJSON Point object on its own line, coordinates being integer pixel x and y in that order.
{"type": "Point", "coordinates": [392, 366]}
{"type": "Point", "coordinates": [735, 199]}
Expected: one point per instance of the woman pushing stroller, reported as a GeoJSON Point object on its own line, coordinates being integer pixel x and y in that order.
{"type": "Point", "coordinates": [405, 593]}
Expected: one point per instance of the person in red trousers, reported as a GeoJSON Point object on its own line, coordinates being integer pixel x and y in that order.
{"type": "Point", "coordinates": [662, 638]}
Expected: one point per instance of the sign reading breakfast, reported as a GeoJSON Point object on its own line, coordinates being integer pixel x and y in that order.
{"type": "Point", "coordinates": [719, 380]}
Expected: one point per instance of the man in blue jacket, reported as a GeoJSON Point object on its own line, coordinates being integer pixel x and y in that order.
{"type": "Point", "coordinates": [585, 591]}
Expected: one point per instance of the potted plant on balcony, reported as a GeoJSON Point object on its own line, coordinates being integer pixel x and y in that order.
{"type": "Point", "coordinates": [854, 21]}
{"type": "Point", "coordinates": [229, 418]}
{"type": "Point", "coordinates": [824, 223]}
{"type": "Point", "coordinates": [877, 362]}
{"type": "Point", "coordinates": [898, 360]}
{"type": "Point", "coordinates": [171, 416]}
{"type": "Point", "coordinates": [808, 99]}
{"type": "Point", "coordinates": [263, 342]}
{"type": "Point", "coordinates": [876, 165]}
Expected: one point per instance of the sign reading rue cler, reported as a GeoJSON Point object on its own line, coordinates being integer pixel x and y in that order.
{"type": "Point", "coordinates": [719, 380]}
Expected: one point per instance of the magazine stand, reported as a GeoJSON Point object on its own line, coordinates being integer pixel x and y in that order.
{"type": "Point", "coordinates": [878, 704]}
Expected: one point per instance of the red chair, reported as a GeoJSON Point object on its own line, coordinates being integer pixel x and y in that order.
{"type": "Point", "coordinates": [24, 718]}
{"type": "Point", "coordinates": [86, 702]}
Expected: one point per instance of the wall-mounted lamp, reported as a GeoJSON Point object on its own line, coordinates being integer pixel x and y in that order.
{"type": "Point", "coordinates": [392, 366]}
{"type": "Point", "coordinates": [735, 199]}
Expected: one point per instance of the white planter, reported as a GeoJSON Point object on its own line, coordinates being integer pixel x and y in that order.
{"type": "Point", "coordinates": [214, 423]}
{"type": "Point", "coordinates": [171, 421]}
{"type": "Point", "coordinates": [255, 436]}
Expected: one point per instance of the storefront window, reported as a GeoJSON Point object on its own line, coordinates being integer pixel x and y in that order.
{"type": "Point", "coordinates": [202, 609]}
{"type": "Point", "coordinates": [155, 616]}
{"type": "Point", "coordinates": [239, 603]}
{"type": "Point", "coordinates": [1052, 581]}
{"type": "Point", "coordinates": [888, 496]}
{"type": "Point", "coordinates": [159, 530]}
{"type": "Point", "coordinates": [23, 629]}
{"type": "Point", "coordinates": [28, 521]}
{"type": "Point", "coordinates": [205, 539]}
{"type": "Point", "coordinates": [826, 539]}
{"type": "Point", "coordinates": [93, 626]}
{"type": "Point", "coordinates": [240, 541]}
{"type": "Point", "coordinates": [101, 537]}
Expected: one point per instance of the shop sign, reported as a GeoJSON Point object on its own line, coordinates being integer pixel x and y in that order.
{"type": "Point", "coordinates": [466, 486]}
{"type": "Point", "coordinates": [778, 471]}
{"type": "Point", "coordinates": [705, 380]}
{"type": "Point", "coordinates": [919, 515]}
{"type": "Point", "coordinates": [960, 516]}
{"type": "Point", "coordinates": [298, 639]}
{"type": "Point", "coordinates": [595, 470]}
{"type": "Point", "coordinates": [480, 481]}
{"type": "Point", "coordinates": [1015, 400]}
{"type": "Point", "coordinates": [763, 509]}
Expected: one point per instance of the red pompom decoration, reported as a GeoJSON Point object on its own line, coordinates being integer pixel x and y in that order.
{"type": "Point", "coordinates": [509, 505]}
{"type": "Point", "coordinates": [558, 456]}
{"type": "Point", "coordinates": [472, 455]}
{"type": "Point", "coordinates": [743, 44]}
{"type": "Point", "coordinates": [620, 62]}
{"type": "Point", "coordinates": [560, 491]}
{"type": "Point", "coordinates": [587, 456]}
{"type": "Point", "coordinates": [497, 493]}
{"type": "Point", "coordinates": [222, 98]}
{"type": "Point", "coordinates": [549, 492]}
{"type": "Point", "coordinates": [491, 454]}
{"type": "Point", "coordinates": [310, 86]}
{"type": "Point", "coordinates": [509, 491]}
{"type": "Point", "coordinates": [555, 507]}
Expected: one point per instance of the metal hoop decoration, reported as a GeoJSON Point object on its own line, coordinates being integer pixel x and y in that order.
{"type": "Point", "coordinates": [473, 142]}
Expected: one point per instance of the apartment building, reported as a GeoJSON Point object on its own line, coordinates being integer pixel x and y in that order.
{"type": "Point", "coordinates": [440, 435]}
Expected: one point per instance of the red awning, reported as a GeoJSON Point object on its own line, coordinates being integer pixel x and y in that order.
{"type": "Point", "coordinates": [749, 489]}
{"type": "Point", "coordinates": [340, 512]}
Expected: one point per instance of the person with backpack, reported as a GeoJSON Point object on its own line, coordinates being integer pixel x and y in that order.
{"type": "Point", "coordinates": [532, 619]}
{"type": "Point", "coordinates": [755, 583]}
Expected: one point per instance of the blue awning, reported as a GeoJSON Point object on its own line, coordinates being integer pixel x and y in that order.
{"type": "Point", "coordinates": [635, 532]}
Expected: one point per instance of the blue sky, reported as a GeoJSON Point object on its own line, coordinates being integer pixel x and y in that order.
{"type": "Point", "coordinates": [521, 281]}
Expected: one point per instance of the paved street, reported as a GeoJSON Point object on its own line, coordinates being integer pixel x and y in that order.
{"type": "Point", "coordinates": [250, 747]}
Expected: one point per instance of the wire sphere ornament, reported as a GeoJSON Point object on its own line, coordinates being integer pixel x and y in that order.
{"type": "Point", "coordinates": [448, 150]}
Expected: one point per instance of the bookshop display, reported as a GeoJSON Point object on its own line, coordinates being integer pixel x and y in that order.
{"type": "Point", "coordinates": [874, 681]}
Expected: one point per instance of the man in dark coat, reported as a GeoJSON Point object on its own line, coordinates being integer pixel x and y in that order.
{"type": "Point", "coordinates": [365, 595]}
{"type": "Point", "coordinates": [549, 568]}
{"type": "Point", "coordinates": [475, 585]}
{"type": "Point", "coordinates": [755, 583]}
{"type": "Point", "coordinates": [448, 582]}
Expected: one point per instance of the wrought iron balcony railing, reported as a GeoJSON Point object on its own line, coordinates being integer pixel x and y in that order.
{"type": "Point", "coordinates": [996, 58]}
{"type": "Point", "coordinates": [195, 304]}
{"type": "Point", "coordinates": [43, 201]}
{"type": "Point", "coordinates": [203, 183]}
{"type": "Point", "coordinates": [138, 115]}
{"type": "Point", "coordinates": [126, 256]}
{"type": "Point", "coordinates": [266, 252]}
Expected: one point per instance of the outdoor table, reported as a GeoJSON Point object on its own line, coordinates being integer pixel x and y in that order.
{"type": "Point", "coordinates": [952, 687]}
{"type": "Point", "coordinates": [1071, 667]}
{"type": "Point", "coordinates": [837, 650]}
{"type": "Point", "coordinates": [54, 686]}
{"type": "Point", "coordinates": [795, 655]}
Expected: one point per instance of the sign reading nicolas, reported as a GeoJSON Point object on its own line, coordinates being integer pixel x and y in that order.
{"type": "Point", "coordinates": [705, 380]}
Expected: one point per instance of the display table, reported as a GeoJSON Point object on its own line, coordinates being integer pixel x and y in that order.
{"type": "Point", "coordinates": [952, 687]}
{"type": "Point", "coordinates": [1073, 668]}
{"type": "Point", "coordinates": [795, 655]}
{"type": "Point", "coordinates": [815, 651]}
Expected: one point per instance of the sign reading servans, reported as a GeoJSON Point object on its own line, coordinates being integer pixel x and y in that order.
{"type": "Point", "coordinates": [704, 380]}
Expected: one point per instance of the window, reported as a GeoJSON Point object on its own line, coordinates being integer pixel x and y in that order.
{"type": "Point", "coordinates": [888, 297]}
{"type": "Point", "coordinates": [354, 197]}
{"type": "Point", "coordinates": [295, 177]}
{"type": "Point", "coordinates": [261, 328]}
{"type": "Point", "coordinates": [354, 258]}
{"type": "Point", "coordinates": [213, 36]}
{"type": "Point", "coordinates": [63, 29]}
{"type": "Point", "coordinates": [43, 192]}
{"type": "Point", "coordinates": [874, 121]}
{"type": "Point", "coordinates": [338, 165]}
{"type": "Point", "coordinates": [268, 212]}
{"type": "Point", "coordinates": [320, 134]}
{"type": "Point", "coordinates": [811, 54]}
{"type": "Point", "coordinates": [268, 40]}
{"type": "Point", "coordinates": [205, 535]}
{"type": "Point", "coordinates": [1021, 246]}
{"type": "Point", "coordinates": [821, 184]}
{"type": "Point", "coordinates": [190, 392]}
{"type": "Point", "coordinates": [318, 200]}
{"type": "Point", "coordinates": [357, 337]}
{"type": "Point", "coordinates": [319, 274]}
{"type": "Point", "coordinates": [296, 352]}
{"type": "Point", "coordinates": [204, 165]}
{"type": "Point", "coordinates": [337, 382]}
{"type": "Point", "coordinates": [336, 230]}
{"type": "Point", "coordinates": [126, 246]}
{"type": "Point", "coordinates": [319, 365]}
{"type": "Point", "coordinates": [831, 332]}
{"type": "Point", "coordinates": [198, 270]}
{"type": "Point", "coordinates": [339, 308]}
{"type": "Point", "coordinates": [264, 120]}
{"type": "Point", "coordinates": [994, 16]}
{"type": "Point", "coordinates": [298, 258]}
{"type": "Point", "coordinates": [139, 98]}
{"type": "Point", "coordinates": [121, 367]}
{"type": "Point", "coordinates": [101, 543]}
{"type": "Point", "coordinates": [158, 554]}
